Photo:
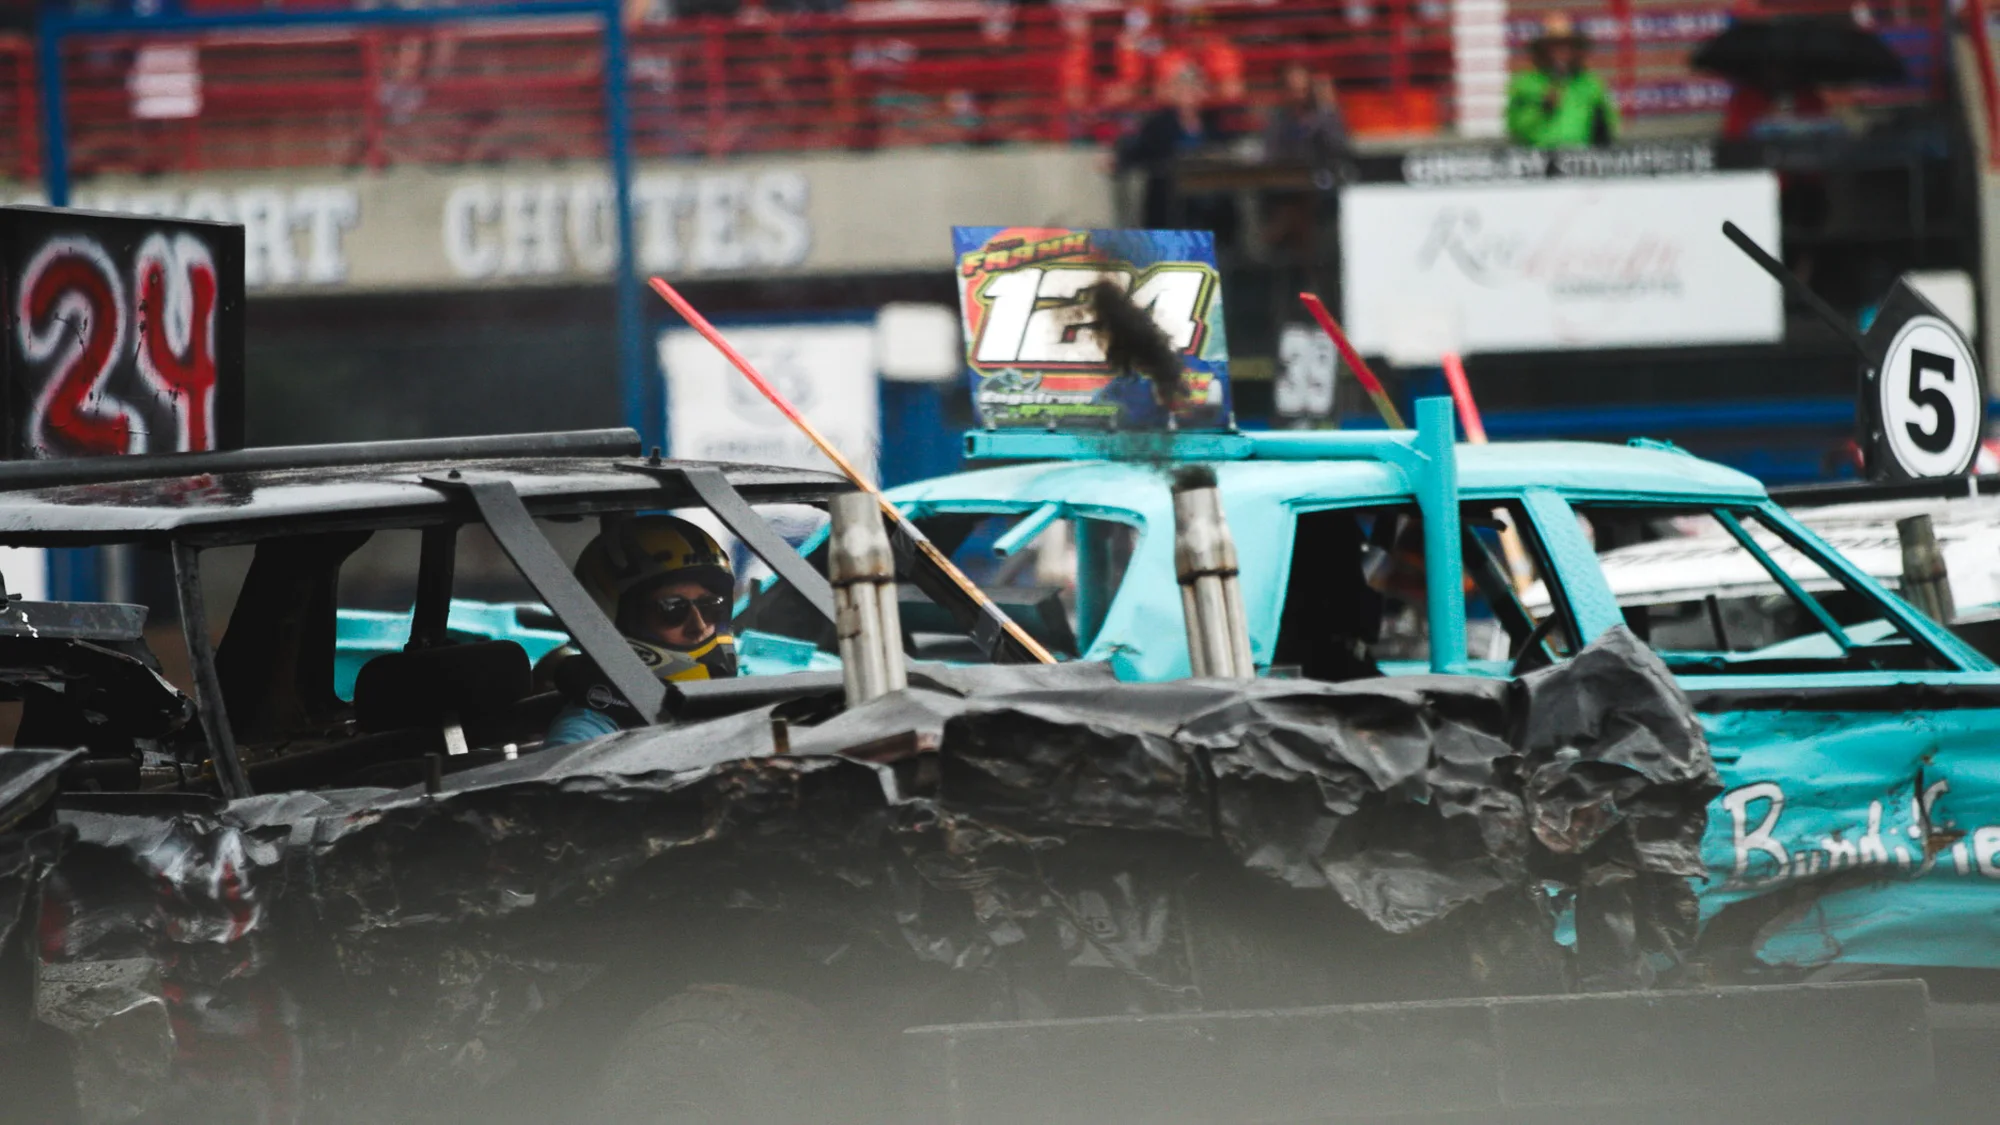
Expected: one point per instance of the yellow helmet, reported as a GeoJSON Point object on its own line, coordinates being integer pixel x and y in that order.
{"type": "Point", "coordinates": [631, 554]}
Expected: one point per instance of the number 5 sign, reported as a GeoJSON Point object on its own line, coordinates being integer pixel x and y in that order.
{"type": "Point", "coordinates": [1032, 345]}
{"type": "Point", "coordinates": [1924, 402]}
{"type": "Point", "coordinates": [124, 334]}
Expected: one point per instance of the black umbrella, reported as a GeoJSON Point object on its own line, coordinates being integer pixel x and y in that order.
{"type": "Point", "coordinates": [1793, 52]}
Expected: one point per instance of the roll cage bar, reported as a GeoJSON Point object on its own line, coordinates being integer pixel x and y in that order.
{"type": "Point", "coordinates": [1426, 456]}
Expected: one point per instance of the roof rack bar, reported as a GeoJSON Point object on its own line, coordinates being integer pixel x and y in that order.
{"type": "Point", "coordinates": [1394, 446]}
{"type": "Point", "coordinates": [97, 470]}
{"type": "Point", "coordinates": [1822, 493]}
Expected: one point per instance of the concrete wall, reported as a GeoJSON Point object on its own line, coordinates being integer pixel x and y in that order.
{"type": "Point", "coordinates": [428, 229]}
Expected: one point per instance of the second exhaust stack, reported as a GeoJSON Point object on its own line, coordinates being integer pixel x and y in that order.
{"type": "Point", "coordinates": [1205, 563]}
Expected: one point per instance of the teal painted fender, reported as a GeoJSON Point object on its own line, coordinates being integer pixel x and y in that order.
{"type": "Point", "coordinates": [1859, 836]}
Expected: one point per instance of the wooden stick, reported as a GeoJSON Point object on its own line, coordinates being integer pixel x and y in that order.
{"type": "Point", "coordinates": [929, 550]}
{"type": "Point", "coordinates": [1369, 382]}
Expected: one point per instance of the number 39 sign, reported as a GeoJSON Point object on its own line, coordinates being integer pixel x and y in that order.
{"type": "Point", "coordinates": [124, 334]}
{"type": "Point", "coordinates": [1032, 346]}
{"type": "Point", "coordinates": [1925, 403]}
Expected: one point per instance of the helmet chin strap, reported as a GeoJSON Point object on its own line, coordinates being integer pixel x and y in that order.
{"type": "Point", "coordinates": [712, 659]}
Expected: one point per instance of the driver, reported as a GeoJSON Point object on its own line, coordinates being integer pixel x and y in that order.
{"type": "Point", "coordinates": [667, 586]}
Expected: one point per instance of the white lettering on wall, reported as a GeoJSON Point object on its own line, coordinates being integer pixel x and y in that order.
{"type": "Point", "coordinates": [267, 238]}
{"type": "Point", "coordinates": [290, 236]}
{"type": "Point", "coordinates": [659, 203]}
{"type": "Point", "coordinates": [718, 223]}
{"type": "Point", "coordinates": [719, 242]}
{"type": "Point", "coordinates": [778, 213]}
{"type": "Point", "coordinates": [531, 240]}
{"type": "Point", "coordinates": [502, 228]}
{"type": "Point", "coordinates": [327, 213]}
{"type": "Point", "coordinates": [472, 251]}
{"type": "Point", "coordinates": [593, 237]}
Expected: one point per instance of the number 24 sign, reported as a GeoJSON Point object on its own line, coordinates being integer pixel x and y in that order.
{"type": "Point", "coordinates": [123, 334]}
{"type": "Point", "coordinates": [1033, 353]}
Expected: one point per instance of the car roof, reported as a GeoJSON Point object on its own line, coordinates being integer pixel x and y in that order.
{"type": "Point", "coordinates": [258, 493]}
{"type": "Point", "coordinates": [1575, 468]}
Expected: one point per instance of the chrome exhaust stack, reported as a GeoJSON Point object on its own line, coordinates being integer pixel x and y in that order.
{"type": "Point", "coordinates": [862, 567]}
{"type": "Point", "coordinates": [1211, 596]}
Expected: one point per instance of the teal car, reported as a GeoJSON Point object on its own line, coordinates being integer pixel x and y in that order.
{"type": "Point", "coordinates": [1860, 823]}
{"type": "Point", "coordinates": [1858, 740]}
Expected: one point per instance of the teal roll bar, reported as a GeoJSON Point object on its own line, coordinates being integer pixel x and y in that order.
{"type": "Point", "coordinates": [1025, 532]}
{"type": "Point", "coordinates": [1426, 456]}
{"type": "Point", "coordinates": [1435, 481]}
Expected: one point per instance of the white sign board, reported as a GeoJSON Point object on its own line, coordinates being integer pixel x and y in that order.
{"type": "Point", "coordinates": [1307, 369]}
{"type": "Point", "coordinates": [1560, 264]}
{"type": "Point", "coordinates": [714, 414]}
{"type": "Point", "coordinates": [26, 572]}
{"type": "Point", "coordinates": [826, 370]}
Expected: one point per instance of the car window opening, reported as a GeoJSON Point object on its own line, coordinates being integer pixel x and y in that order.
{"type": "Point", "coordinates": [1725, 590]}
{"type": "Point", "coordinates": [1356, 602]}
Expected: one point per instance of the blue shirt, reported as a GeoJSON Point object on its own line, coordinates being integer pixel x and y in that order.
{"type": "Point", "coordinates": [576, 723]}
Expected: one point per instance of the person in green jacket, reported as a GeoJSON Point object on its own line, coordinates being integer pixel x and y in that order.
{"type": "Point", "coordinates": [1560, 104]}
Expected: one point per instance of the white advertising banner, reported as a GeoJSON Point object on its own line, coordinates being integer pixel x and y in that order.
{"type": "Point", "coordinates": [826, 370]}
{"type": "Point", "coordinates": [1558, 264]}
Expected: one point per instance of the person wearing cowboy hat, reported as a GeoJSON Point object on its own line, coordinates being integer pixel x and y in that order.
{"type": "Point", "coordinates": [1560, 103]}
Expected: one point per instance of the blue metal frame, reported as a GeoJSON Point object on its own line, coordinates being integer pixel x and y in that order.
{"type": "Point", "coordinates": [75, 573]}
{"type": "Point", "coordinates": [641, 395]}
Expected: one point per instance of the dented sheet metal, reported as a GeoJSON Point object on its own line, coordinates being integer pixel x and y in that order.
{"type": "Point", "coordinates": [1856, 828]}
{"type": "Point", "coordinates": [1029, 843]}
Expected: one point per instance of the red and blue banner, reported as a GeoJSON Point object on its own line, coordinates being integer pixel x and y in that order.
{"type": "Point", "coordinates": [1034, 353]}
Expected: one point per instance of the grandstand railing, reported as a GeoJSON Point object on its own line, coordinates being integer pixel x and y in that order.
{"type": "Point", "coordinates": [876, 76]}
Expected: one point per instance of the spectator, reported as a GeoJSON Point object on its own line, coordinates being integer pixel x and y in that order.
{"type": "Point", "coordinates": [1150, 54]}
{"type": "Point", "coordinates": [1303, 129]}
{"type": "Point", "coordinates": [1306, 127]}
{"type": "Point", "coordinates": [1195, 39]}
{"type": "Point", "coordinates": [1186, 124]}
{"type": "Point", "coordinates": [1560, 103]}
{"type": "Point", "coordinates": [1137, 52]}
{"type": "Point", "coordinates": [1076, 71]}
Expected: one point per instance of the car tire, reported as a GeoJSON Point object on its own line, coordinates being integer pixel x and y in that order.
{"type": "Point", "coordinates": [726, 1053]}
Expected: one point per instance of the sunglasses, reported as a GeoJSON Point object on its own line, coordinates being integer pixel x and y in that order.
{"type": "Point", "coordinates": [674, 609]}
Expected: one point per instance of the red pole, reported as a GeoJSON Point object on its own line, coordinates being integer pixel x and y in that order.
{"type": "Point", "coordinates": [1376, 392]}
{"type": "Point", "coordinates": [1461, 393]}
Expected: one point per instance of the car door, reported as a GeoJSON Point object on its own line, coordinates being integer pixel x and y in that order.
{"type": "Point", "coordinates": [1858, 742]}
